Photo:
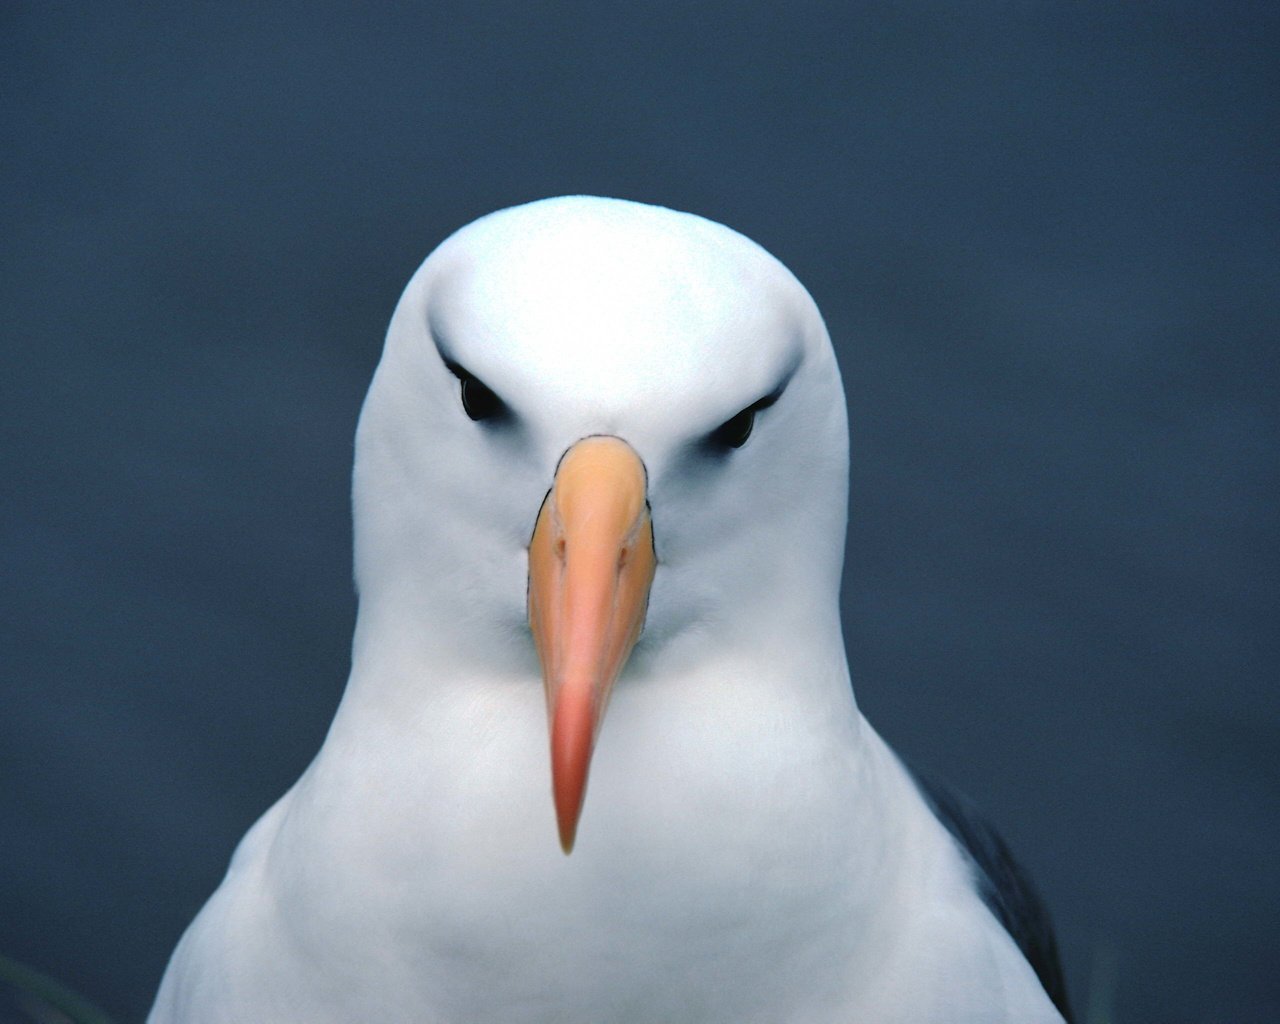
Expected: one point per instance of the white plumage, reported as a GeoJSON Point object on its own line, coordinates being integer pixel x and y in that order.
{"type": "Point", "coordinates": [749, 850]}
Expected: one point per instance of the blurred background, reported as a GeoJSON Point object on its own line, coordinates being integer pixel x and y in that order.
{"type": "Point", "coordinates": [1044, 237]}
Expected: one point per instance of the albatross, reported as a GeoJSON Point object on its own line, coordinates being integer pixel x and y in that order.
{"type": "Point", "coordinates": [599, 759]}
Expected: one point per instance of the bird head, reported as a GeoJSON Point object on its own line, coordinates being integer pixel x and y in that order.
{"type": "Point", "coordinates": [599, 426]}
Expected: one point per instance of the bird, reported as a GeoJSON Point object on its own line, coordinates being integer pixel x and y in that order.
{"type": "Point", "coordinates": [599, 759]}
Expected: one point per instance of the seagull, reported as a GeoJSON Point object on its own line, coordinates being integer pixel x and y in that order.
{"type": "Point", "coordinates": [599, 759]}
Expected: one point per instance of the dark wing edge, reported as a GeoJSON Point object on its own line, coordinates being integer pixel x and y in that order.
{"type": "Point", "coordinates": [1004, 886]}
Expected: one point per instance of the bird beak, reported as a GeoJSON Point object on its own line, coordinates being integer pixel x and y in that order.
{"type": "Point", "coordinates": [591, 564]}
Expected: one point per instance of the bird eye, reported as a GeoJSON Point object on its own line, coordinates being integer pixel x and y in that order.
{"type": "Point", "coordinates": [734, 431]}
{"type": "Point", "coordinates": [478, 400]}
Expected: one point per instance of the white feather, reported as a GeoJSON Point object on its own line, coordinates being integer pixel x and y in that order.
{"type": "Point", "coordinates": [750, 850]}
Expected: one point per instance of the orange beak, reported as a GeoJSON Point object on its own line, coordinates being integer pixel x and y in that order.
{"type": "Point", "coordinates": [591, 564]}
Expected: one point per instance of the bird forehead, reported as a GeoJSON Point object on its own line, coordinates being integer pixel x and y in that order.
{"type": "Point", "coordinates": [630, 308]}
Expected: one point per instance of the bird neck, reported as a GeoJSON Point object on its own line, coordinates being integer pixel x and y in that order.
{"type": "Point", "coordinates": [738, 802]}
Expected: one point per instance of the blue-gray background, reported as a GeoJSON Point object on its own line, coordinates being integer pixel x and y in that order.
{"type": "Point", "coordinates": [1045, 241]}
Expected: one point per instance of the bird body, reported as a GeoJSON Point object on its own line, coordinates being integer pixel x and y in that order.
{"type": "Point", "coordinates": [750, 849]}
